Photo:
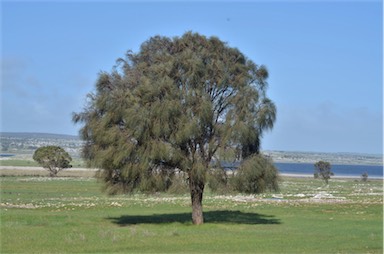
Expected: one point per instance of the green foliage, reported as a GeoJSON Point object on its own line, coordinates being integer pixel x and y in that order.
{"type": "Point", "coordinates": [364, 177]}
{"type": "Point", "coordinates": [171, 106]}
{"type": "Point", "coordinates": [147, 181]}
{"type": "Point", "coordinates": [256, 175]}
{"type": "Point", "coordinates": [323, 170]}
{"type": "Point", "coordinates": [179, 184]}
{"type": "Point", "coordinates": [218, 181]}
{"type": "Point", "coordinates": [53, 158]}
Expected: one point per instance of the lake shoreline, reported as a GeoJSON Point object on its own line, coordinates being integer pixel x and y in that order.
{"type": "Point", "coordinates": [300, 175]}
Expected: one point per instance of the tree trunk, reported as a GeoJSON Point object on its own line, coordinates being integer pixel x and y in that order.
{"type": "Point", "coordinates": [52, 172]}
{"type": "Point", "coordinates": [197, 189]}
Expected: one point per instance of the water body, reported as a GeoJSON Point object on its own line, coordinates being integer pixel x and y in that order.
{"type": "Point", "coordinates": [6, 155]}
{"type": "Point", "coordinates": [373, 171]}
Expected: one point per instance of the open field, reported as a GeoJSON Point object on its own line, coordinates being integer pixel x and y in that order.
{"type": "Point", "coordinates": [19, 161]}
{"type": "Point", "coordinates": [41, 172]}
{"type": "Point", "coordinates": [69, 214]}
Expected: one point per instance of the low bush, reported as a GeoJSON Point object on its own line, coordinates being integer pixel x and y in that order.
{"type": "Point", "coordinates": [219, 182]}
{"type": "Point", "coordinates": [256, 174]}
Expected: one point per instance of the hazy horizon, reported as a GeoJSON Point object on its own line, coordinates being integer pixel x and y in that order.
{"type": "Point", "coordinates": [263, 150]}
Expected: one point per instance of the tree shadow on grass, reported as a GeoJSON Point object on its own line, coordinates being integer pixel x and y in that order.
{"type": "Point", "coordinates": [224, 216]}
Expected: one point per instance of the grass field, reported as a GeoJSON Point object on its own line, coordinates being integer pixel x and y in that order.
{"type": "Point", "coordinates": [70, 215]}
{"type": "Point", "coordinates": [19, 163]}
{"type": "Point", "coordinates": [22, 162]}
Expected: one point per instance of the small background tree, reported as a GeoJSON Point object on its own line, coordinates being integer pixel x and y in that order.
{"type": "Point", "coordinates": [53, 158]}
{"type": "Point", "coordinates": [364, 177]}
{"type": "Point", "coordinates": [323, 170]}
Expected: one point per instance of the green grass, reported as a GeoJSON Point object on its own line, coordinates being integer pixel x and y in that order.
{"type": "Point", "coordinates": [71, 215]}
{"type": "Point", "coordinates": [76, 163]}
{"type": "Point", "coordinates": [19, 163]}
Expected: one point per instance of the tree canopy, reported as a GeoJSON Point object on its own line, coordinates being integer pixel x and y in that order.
{"type": "Point", "coordinates": [323, 169]}
{"type": "Point", "coordinates": [53, 158]}
{"type": "Point", "coordinates": [170, 107]}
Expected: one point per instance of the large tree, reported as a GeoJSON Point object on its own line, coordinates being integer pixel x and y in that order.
{"type": "Point", "coordinates": [170, 107]}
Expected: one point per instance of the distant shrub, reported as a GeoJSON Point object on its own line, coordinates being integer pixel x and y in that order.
{"type": "Point", "coordinates": [323, 170]}
{"type": "Point", "coordinates": [256, 174]}
{"type": "Point", "coordinates": [364, 177]}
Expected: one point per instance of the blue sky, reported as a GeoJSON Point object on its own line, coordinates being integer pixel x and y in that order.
{"type": "Point", "coordinates": [324, 59]}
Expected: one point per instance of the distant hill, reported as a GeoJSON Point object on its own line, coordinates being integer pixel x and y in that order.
{"type": "Point", "coordinates": [37, 135]}
{"type": "Point", "coordinates": [26, 143]}
{"type": "Point", "coordinates": [333, 158]}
